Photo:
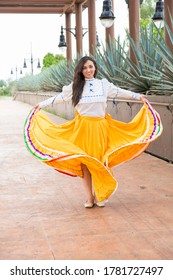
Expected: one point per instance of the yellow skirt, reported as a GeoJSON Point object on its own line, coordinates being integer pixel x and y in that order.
{"type": "Point", "coordinates": [99, 143]}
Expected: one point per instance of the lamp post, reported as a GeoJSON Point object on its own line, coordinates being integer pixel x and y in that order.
{"type": "Point", "coordinates": [16, 70]}
{"type": "Point", "coordinates": [97, 41]}
{"type": "Point", "coordinates": [107, 15]}
{"type": "Point", "coordinates": [107, 20]}
{"type": "Point", "coordinates": [158, 15]}
{"type": "Point", "coordinates": [165, 10]}
{"type": "Point", "coordinates": [62, 43]}
{"type": "Point", "coordinates": [31, 60]}
{"type": "Point", "coordinates": [62, 37]}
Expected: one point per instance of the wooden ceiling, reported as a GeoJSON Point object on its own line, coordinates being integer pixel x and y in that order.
{"type": "Point", "coordinates": [40, 6]}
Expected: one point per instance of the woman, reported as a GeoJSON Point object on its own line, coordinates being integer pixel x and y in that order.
{"type": "Point", "coordinates": [92, 143]}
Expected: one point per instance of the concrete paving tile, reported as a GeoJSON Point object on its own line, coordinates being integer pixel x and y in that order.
{"type": "Point", "coordinates": [133, 220]}
{"type": "Point", "coordinates": [140, 247]}
{"type": "Point", "coordinates": [162, 241]}
{"type": "Point", "coordinates": [25, 250]}
{"type": "Point", "coordinates": [19, 227]}
{"type": "Point", "coordinates": [156, 215]}
{"type": "Point", "coordinates": [96, 246]}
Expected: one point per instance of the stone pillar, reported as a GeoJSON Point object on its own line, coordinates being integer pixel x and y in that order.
{"type": "Point", "coordinates": [134, 25]}
{"type": "Point", "coordinates": [168, 10]}
{"type": "Point", "coordinates": [68, 37]}
{"type": "Point", "coordinates": [110, 30]}
{"type": "Point", "coordinates": [91, 26]}
{"type": "Point", "coordinates": [79, 32]}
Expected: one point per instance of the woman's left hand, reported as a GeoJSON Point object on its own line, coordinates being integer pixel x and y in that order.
{"type": "Point", "coordinates": [143, 99]}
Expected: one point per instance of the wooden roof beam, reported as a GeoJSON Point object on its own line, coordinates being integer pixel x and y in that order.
{"type": "Point", "coordinates": [36, 10]}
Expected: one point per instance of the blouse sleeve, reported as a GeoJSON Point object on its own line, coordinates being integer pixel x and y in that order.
{"type": "Point", "coordinates": [63, 96]}
{"type": "Point", "coordinates": [114, 91]}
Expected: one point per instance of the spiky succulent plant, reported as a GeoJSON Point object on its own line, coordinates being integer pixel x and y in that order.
{"type": "Point", "coordinates": [152, 73]}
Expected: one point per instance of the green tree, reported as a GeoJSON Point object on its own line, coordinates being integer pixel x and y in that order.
{"type": "Point", "coordinates": [50, 59]}
{"type": "Point", "coordinates": [4, 88]}
{"type": "Point", "coordinates": [148, 9]}
{"type": "Point", "coordinates": [2, 83]}
{"type": "Point", "coordinates": [59, 58]}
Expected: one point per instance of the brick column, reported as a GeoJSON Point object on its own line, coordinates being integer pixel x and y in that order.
{"type": "Point", "coordinates": [79, 47]}
{"type": "Point", "coordinates": [91, 25]}
{"type": "Point", "coordinates": [110, 30]}
{"type": "Point", "coordinates": [168, 9]}
{"type": "Point", "coordinates": [68, 37]}
{"type": "Point", "coordinates": [134, 25]}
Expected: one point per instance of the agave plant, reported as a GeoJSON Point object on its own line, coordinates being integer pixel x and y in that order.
{"type": "Point", "coordinates": [56, 76]}
{"type": "Point", "coordinates": [149, 61]}
{"type": "Point", "coordinates": [28, 83]}
{"type": "Point", "coordinates": [51, 79]}
{"type": "Point", "coordinates": [165, 85]}
{"type": "Point", "coordinates": [111, 59]}
{"type": "Point", "coordinates": [114, 62]}
{"type": "Point", "coordinates": [154, 70]}
{"type": "Point", "coordinates": [152, 74]}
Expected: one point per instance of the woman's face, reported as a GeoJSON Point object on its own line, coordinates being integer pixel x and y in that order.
{"type": "Point", "coordinates": [88, 69]}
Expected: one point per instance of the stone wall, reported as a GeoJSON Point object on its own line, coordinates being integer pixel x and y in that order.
{"type": "Point", "coordinates": [123, 110]}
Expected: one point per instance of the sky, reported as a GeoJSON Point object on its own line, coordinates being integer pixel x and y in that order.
{"type": "Point", "coordinates": [21, 32]}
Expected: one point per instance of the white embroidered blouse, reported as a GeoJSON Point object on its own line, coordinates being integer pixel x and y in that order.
{"type": "Point", "coordinates": [94, 97]}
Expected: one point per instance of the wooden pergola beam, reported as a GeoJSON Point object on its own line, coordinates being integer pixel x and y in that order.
{"type": "Point", "coordinates": [66, 7]}
{"type": "Point", "coordinates": [40, 6]}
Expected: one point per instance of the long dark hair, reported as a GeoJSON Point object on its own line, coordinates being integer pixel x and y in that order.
{"type": "Point", "coordinates": [79, 79]}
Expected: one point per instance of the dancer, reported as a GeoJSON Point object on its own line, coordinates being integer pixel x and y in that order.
{"type": "Point", "coordinates": [92, 143]}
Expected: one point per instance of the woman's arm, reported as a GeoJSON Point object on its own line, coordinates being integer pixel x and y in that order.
{"type": "Point", "coordinates": [117, 92]}
{"type": "Point", "coordinates": [63, 96]}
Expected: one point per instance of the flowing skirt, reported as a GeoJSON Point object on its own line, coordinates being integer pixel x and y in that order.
{"type": "Point", "coordinates": [99, 143]}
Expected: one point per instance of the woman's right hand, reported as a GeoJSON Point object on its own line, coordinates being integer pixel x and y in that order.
{"type": "Point", "coordinates": [143, 99]}
{"type": "Point", "coordinates": [37, 107]}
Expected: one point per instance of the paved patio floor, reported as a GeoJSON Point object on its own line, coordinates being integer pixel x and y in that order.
{"type": "Point", "coordinates": [42, 215]}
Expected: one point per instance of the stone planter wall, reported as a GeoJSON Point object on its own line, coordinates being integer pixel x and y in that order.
{"type": "Point", "coordinates": [123, 110]}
